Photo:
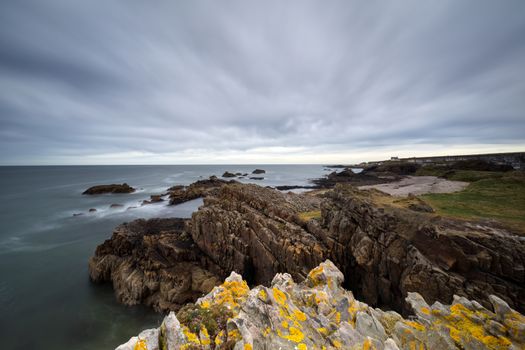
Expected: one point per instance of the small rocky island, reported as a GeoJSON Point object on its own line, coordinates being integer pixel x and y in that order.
{"type": "Point", "coordinates": [113, 188]}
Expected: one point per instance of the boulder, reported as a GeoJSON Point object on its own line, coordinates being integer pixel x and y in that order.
{"type": "Point", "coordinates": [228, 174]}
{"type": "Point", "coordinates": [259, 171]}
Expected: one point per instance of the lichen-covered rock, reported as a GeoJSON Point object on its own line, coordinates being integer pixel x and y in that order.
{"type": "Point", "coordinates": [319, 314]}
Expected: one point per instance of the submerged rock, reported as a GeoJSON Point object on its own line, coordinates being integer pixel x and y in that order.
{"type": "Point", "coordinates": [113, 188]}
{"type": "Point", "coordinates": [319, 314]}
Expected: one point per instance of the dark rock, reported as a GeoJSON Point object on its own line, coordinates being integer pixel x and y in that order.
{"type": "Point", "coordinates": [92, 210]}
{"type": "Point", "coordinates": [384, 251]}
{"type": "Point", "coordinates": [116, 205]}
{"type": "Point", "coordinates": [256, 178]}
{"type": "Point", "coordinates": [113, 188]}
{"type": "Point", "coordinates": [153, 262]}
{"type": "Point", "coordinates": [198, 189]}
{"type": "Point", "coordinates": [287, 188]}
{"type": "Point", "coordinates": [78, 214]}
{"type": "Point", "coordinates": [259, 171]}
{"type": "Point", "coordinates": [228, 174]}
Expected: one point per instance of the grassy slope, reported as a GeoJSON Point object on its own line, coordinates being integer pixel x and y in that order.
{"type": "Point", "coordinates": [499, 196]}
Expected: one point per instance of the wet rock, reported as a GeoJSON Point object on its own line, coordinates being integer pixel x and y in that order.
{"type": "Point", "coordinates": [78, 214]}
{"type": "Point", "coordinates": [256, 178]}
{"type": "Point", "coordinates": [113, 188]}
{"type": "Point", "coordinates": [259, 171]}
{"type": "Point", "coordinates": [92, 210]}
{"type": "Point", "coordinates": [114, 205]}
{"type": "Point", "coordinates": [228, 174]}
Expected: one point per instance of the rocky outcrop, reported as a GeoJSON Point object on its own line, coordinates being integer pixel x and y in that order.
{"type": "Point", "coordinates": [319, 314]}
{"type": "Point", "coordinates": [259, 171]}
{"type": "Point", "coordinates": [256, 232]}
{"type": "Point", "coordinates": [153, 262]}
{"type": "Point", "coordinates": [113, 188]}
{"type": "Point", "coordinates": [388, 252]}
{"type": "Point", "coordinates": [384, 251]}
{"type": "Point", "coordinates": [228, 174]}
{"type": "Point", "coordinates": [180, 194]}
{"type": "Point", "coordinates": [347, 176]}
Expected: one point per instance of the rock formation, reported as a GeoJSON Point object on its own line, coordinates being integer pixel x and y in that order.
{"type": "Point", "coordinates": [153, 262]}
{"type": "Point", "coordinates": [180, 194]}
{"type": "Point", "coordinates": [113, 188]}
{"type": "Point", "coordinates": [319, 314]}
{"type": "Point", "coordinates": [259, 171]}
{"type": "Point", "coordinates": [384, 251]}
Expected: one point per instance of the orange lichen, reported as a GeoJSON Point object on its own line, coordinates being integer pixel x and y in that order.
{"type": "Point", "coordinates": [192, 337]}
{"type": "Point", "coordinates": [367, 344]}
{"type": "Point", "coordinates": [463, 329]}
{"type": "Point", "coordinates": [315, 275]}
{"type": "Point", "coordinates": [279, 296]}
{"type": "Point", "coordinates": [141, 345]}
{"type": "Point", "coordinates": [425, 310]}
{"type": "Point", "coordinates": [415, 325]}
{"type": "Point", "coordinates": [294, 335]}
{"type": "Point", "coordinates": [262, 295]}
{"type": "Point", "coordinates": [301, 316]}
{"type": "Point", "coordinates": [204, 336]}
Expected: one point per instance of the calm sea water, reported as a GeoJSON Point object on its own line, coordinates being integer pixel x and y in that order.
{"type": "Point", "coordinates": [46, 298]}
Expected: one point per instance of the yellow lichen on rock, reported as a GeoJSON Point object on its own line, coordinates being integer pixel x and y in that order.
{"type": "Point", "coordinates": [141, 345]}
{"type": "Point", "coordinates": [279, 296]}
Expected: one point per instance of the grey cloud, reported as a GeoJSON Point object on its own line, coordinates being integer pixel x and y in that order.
{"type": "Point", "coordinates": [94, 78]}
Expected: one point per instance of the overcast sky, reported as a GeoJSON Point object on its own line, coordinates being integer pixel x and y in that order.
{"type": "Point", "coordinates": [128, 81]}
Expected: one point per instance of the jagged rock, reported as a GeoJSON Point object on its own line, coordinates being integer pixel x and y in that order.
{"type": "Point", "coordinates": [201, 188]}
{"type": "Point", "coordinates": [319, 314]}
{"type": "Point", "coordinates": [153, 262]}
{"type": "Point", "coordinates": [387, 252]}
{"type": "Point", "coordinates": [113, 188]}
{"type": "Point", "coordinates": [384, 252]}
{"type": "Point", "coordinates": [259, 171]}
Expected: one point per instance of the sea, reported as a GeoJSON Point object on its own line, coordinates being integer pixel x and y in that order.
{"type": "Point", "coordinates": [46, 298]}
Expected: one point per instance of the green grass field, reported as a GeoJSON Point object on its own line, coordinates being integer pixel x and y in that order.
{"type": "Point", "coordinates": [493, 195]}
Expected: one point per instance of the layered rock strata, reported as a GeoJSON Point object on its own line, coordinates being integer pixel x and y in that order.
{"type": "Point", "coordinates": [319, 314]}
{"type": "Point", "coordinates": [384, 252]}
{"type": "Point", "coordinates": [153, 262]}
